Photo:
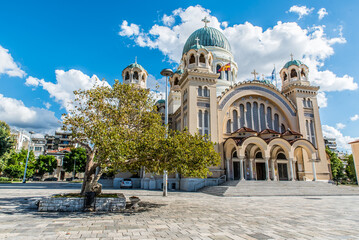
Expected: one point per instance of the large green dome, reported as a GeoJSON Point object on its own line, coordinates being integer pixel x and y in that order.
{"type": "Point", "coordinates": [293, 62]}
{"type": "Point", "coordinates": [207, 36]}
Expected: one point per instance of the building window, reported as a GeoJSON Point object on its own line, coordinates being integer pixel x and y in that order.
{"type": "Point", "coordinates": [255, 116]}
{"type": "Point", "coordinates": [192, 59]}
{"type": "Point", "coordinates": [276, 122]}
{"type": "Point", "coordinates": [262, 117]}
{"type": "Point", "coordinates": [304, 103]}
{"type": "Point", "coordinates": [127, 76]}
{"type": "Point", "coordinates": [206, 123]}
{"type": "Point", "coordinates": [312, 133]}
{"type": "Point", "coordinates": [249, 115]}
{"type": "Point", "coordinates": [229, 126]}
{"type": "Point", "coordinates": [282, 128]}
{"type": "Point", "coordinates": [200, 122]}
{"type": "Point", "coordinates": [135, 75]}
{"type": "Point", "coordinates": [205, 92]}
{"type": "Point", "coordinates": [220, 73]}
{"type": "Point", "coordinates": [235, 120]}
{"type": "Point", "coordinates": [202, 59]}
{"type": "Point", "coordinates": [309, 103]}
{"type": "Point", "coordinates": [200, 91]}
{"type": "Point", "coordinates": [293, 73]}
{"type": "Point", "coordinates": [176, 81]}
{"type": "Point", "coordinates": [241, 115]}
{"type": "Point", "coordinates": [285, 76]}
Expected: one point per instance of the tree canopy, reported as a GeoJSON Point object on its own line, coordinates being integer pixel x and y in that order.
{"type": "Point", "coordinates": [45, 164]}
{"type": "Point", "coordinates": [78, 155]}
{"type": "Point", "coordinates": [6, 143]}
{"type": "Point", "coordinates": [15, 164]}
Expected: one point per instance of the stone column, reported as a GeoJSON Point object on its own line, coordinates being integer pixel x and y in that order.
{"type": "Point", "coordinates": [314, 171]}
{"type": "Point", "coordinates": [242, 168]}
{"type": "Point", "coordinates": [291, 169]}
{"type": "Point", "coordinates": [274, 177]}
{"type": "Point", "coordinates": [228, 172]}
{"type": "Point", "coordinates": [267, 168]}
{"type": "Point", "coordinates": [251, 168]}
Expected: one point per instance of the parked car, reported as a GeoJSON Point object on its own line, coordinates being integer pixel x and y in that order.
{"type": "Point", "coordinates": [126, 183]}
{"type": "Point", "coordinates": [51, 179]}
{"type": "Point", "coordinates": [34, 179]}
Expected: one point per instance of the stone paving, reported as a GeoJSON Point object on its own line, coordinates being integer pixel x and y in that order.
{"type": "Point", "coordinates": [181, 215]}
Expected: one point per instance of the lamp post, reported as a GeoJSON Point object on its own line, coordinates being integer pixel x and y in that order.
{"type": "Point", "coordinates": [27, 158]}
{"type": "Point", "coordinates": [166, 72]}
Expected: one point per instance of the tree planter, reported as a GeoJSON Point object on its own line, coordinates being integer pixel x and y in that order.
{"type": "Point", "coordinates": [78, 204]}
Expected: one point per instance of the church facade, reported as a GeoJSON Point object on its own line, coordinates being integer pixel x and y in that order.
{"type": "Point", "coordinates": [261, 132]}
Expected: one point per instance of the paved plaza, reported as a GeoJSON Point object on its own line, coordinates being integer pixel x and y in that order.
{"type": "Point", "coordinates": [181, 215]}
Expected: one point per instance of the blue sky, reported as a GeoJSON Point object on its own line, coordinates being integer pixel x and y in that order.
{"type": "Point", "coordinates": [49, 48]}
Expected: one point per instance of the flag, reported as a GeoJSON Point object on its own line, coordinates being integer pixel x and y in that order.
{"type": "Point", "coordinates": [273, 74]}
{"type": "Point", "coordinates": [226, 67]}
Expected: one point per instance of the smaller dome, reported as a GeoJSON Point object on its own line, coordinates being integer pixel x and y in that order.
{"type": "Point", "coordinates": [197, 47]}
{"type": "Point", "coordinates": [293, 62]}
{"type": "Point", "coordinates": [161, 101]}
{"type": "Point", "coordinates": [133, 65]}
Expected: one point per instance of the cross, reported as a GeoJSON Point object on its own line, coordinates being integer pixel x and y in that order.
{"type": "Point", "coordinates": [255, 74]}
{"type": "Point", "coordinates": [291, 56]}
{"type": "Point", "coordinates": [205, 20]}
{"type": "Point", "coordinates": [197, 40]}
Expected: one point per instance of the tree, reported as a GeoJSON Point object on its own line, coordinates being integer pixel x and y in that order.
{"type": "Point", "coordinates": [350, 169]}
{"type": "Point", "coordinates": [78, 155]}
{"type": "Point", "coordinates": [336, 164]}
{"type": "Point", "coordinates": [6, 143]}
{"type": "Point", "coordinates": [15, 165]}
{"type": "Point", "coordinates": [45, 164]}
{"type": "Point", "coordinates": [106, 121]}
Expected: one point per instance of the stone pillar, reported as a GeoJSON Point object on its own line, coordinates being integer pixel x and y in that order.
{"type": "Point", "coordinates": [251, 168]}
{"type": "Point", "coordinates": [228, 170]}
{"type": "Point", "coordinates": [274, 177]}
{"type": "Point", "coordinates": [267, 168]}
{"type": "Point", "coordinates": [291, 169]}
{"type": "Point", "coordinates": [242, 168]}
{"type": "Point", "coordinates": [314, 172]}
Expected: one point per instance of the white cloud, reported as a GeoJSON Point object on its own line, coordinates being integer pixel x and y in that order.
{"type": "Point", "coordinates": [254, 47]}
{"type": "Point", "coordinates": [301, 10]}
{"type": "Point", "coordinates": [168, 20]}
{"type": "Point", "coordinates": [32, 81]}
{"type": "Point", "coordinates": [340, 125]}
{"type": "Point", "coordinates": [8, 65]}
{"type": "Point", "coordinates": [47, 105]}
{"type": "Point", "coordinates": [66, 83]}
{"type": "Point", "coordinates": [17, 115]}
{"type": "Point", "coordinates": [321, 13]}
{"type": "Point", "coordinates": [342, 141]}
{"type": "Point", "coordinates": [129, 30]}
{"type": "Point", "coordinates": [354, 118]}
{"type": "Point", "coordinates": [322, 99]}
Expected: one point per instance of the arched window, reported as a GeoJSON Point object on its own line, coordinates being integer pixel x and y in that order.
{"type": "Point", "coordinates": [293, 73]}
{"type": "Point", "coordinates": [229, 126]}
{"type": "Point", "coordinates": [269, 118]}
{"type": "Point", "coordinates": [127, 76]}
{"type": "Point", "coordinates": [200, 122]}
{"type": "Point", "coordinates": [255, 116]}
{"type": "Point", "coordinates": [220, 73]}
{"type": "Point", "coordinates": [304, 103]}
{"type": "Point", "coordinates": [143, 77]}
{"type": "Point", "coordinates": [262, 117]}
{"type": "Point", "coordinates": [307, 126]}
{"type": "Point", "coordinates": [200, 91]}
{"type": "Point", "coordinates": [235, 120]}
{"type": "Point", "coordinates": [226, 74]}
{"type": "Point", "coordinates": [205, 92]}
{"type": "Point", "coordinates": [302, 73]}
{"type": "Point", "coordinates": [202, 59]}
{"type": "Point", "coordinates": [282, 128]}
{"type": "Point", "coordinates": [192, 59]}
{"type": "Point", "coordinates": [249, 115]}
{"type": "Point", "coordinates": [259, 155]}
{"type": "Point", "coordinates": [309, 103]}
{"type": "Point", "coordinates": [206, 122]}
{"type": "Point", "coordinates": [312, 132]}
{"type": "Point", "coordinates": [241, 115]}
{"type": "Point", "coordinates": [285, 76]}
{"type": "Point", "coordinates": [281, 156]}
{"type": "Point", "coordinates": [135, 75]}
{"type": "Point", "coordinates": [276, 122]}
{"type": "Point", "coordinates": [176, 81]}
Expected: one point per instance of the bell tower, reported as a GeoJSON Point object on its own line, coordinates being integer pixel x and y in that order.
{"type": "Point", "coordinates": [135, 74]}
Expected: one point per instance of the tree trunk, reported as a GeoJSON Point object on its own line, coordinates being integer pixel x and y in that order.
{"type": "Point", "coordinates": [90, 183]}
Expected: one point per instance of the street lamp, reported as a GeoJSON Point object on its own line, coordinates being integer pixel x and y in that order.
{"type": "Point", "coordinates": [27, 158]}
{"type": "Point", "coordinates": [166, 72]}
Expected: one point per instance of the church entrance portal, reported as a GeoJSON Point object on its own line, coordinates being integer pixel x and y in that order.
{"type": "Point", "coordinates": [261, 171]}
{"type": "Point", "coordinates": [282, 171]}
{"type": "Point", "coordinates": [236, 169]}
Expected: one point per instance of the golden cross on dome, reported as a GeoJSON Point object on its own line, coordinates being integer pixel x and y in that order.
{"type": "Point", "coordinates": [197, 40]}
{"type": "Point", "coordinates": [291, 56]}
{"type": "Point", "coordinates": [255, 74]}
{"type": "Point", "coordinates": [205, 20]}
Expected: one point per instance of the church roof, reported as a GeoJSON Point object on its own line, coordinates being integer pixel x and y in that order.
{"type": "Point", "coordinates": [271, 131]}
{"type": "Point", "coordinates": [290, 132]}
{"type": "Point", "coordinates": [133, 65]}
{"type": "Point", "coordinates": [244, 129]}
{"type": "Point", "coordinates": [207, 36]}
{"type": "Point", "coordinates": [293, 62]}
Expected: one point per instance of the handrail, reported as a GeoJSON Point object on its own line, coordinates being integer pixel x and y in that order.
{"type": "Point", "coordinates": [224, 177]}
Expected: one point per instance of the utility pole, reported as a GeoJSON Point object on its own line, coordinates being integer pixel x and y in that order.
{"type": "Point", "coordinates": [27, 158]}
{"type": "Point", "coordinates": [166, 72]}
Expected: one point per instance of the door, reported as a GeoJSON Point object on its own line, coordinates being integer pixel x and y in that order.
{"type": "Point", "coordinates": [261, 171]}
{"type": "Point", "coordinates": [236, 170]}
{"type": "Point", "coordinates": [283, 171]}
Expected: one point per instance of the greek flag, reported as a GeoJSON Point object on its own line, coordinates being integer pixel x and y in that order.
{"type": "Point", "coordinates": [273, 74]}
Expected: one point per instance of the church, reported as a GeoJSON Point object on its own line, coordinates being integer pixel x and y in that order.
{"type": "Point", "coordinates": [260, 131]}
